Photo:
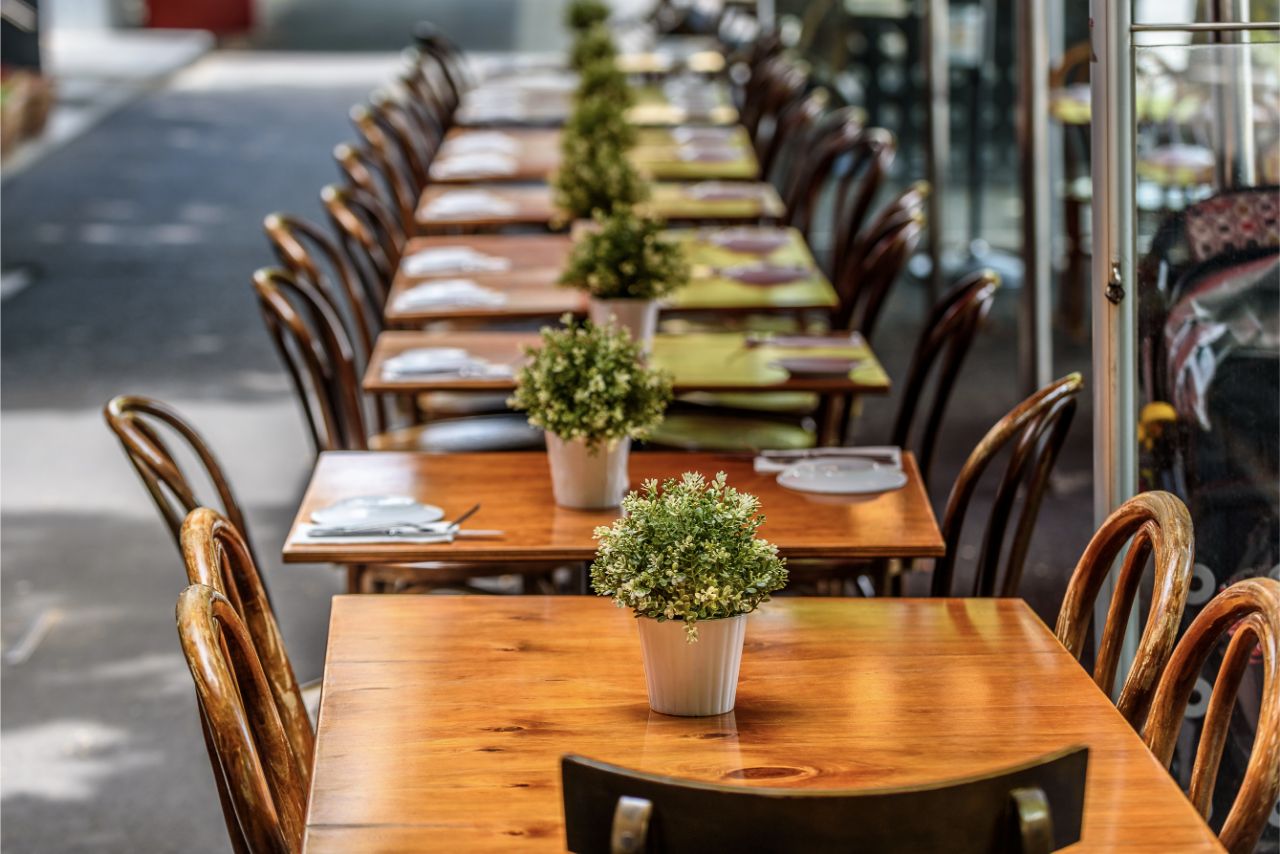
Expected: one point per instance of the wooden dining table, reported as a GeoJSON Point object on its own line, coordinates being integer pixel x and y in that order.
{"type": "Point", "coordinates": [533, 205]}
{"type": "Point", "coordinates": [533, 154]}
{"type": "Point", "coordinates": [514, 493]}
{"type": "Point", "coordinates": [530, 286]}
{"type": "Point", "coordinates": [697, 361]}
{"type": "Point", "coordinates": [443, 719]}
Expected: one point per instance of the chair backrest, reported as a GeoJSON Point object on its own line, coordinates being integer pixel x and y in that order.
{"type": "Point", "coordinates": [442, 50]}
{"type": "Point", "coordinates": [775, 83]}
{"type": "Point", "coordinates": [424, 80]}
{"type": "Point", "coordinates": [1153, 523]}
{"type": "Point", "coordinates": [254, 758]}
{"type": "Point", "coordinates": [401, 128]}
{"type": "Point", "coordinates": [876, 260]}
{"type": "Point", "coordinates": [308, 252]}
{"type": "Point", "coordinates": [216, 555]}
{"type": "Point", "coordinates": [782, 153]}
{"type": "Point", "coordinates": [140, 423]}
{"type": "Point", "coordinates": [1033, 807]}
{"type": "Point", "coordinates": [388, 149]}
{"type": "Point", "coordinates": [317, 354]}
{"type": "Point", "coordinates": [948, 334]}
{"type": "Point", "coordinates": [383, 180]}
{"type": "Point", "coordinates": [370, 235]}
{"type": "Point", "coordinates": [1034, 430]}
{"type": "Point", "coordinates": [1249, 613]}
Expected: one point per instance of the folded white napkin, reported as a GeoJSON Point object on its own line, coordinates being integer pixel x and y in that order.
{"type": "Point", "coordinates": [303, 535]}
{"type": "Point", "coordinates": [441, 361]}
{"type": "Point", "coordinates": [771, 462]}
{"type": "Point", "coordinates": [466, 202]}
{"type": "Point", "coordinates": [449, 292]}
{"type": "Point", "coordinates": [473, 163]}
{"type": "Point", "coordinates": [468, 143]}
{"type": "Point", "coordinates": [452, 259]}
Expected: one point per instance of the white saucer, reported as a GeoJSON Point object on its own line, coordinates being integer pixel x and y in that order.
{"type": "Point", "coordinates": [848, 476]}
{"type": "Point", "coordinates": [817, 366]}
{"type": "Point", "coordinates": [377, 510]}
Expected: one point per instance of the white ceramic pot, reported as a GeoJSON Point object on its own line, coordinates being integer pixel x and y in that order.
{"type": "Point", "coordinates": [692, 679]}
{"type": "Point", "coordinates": [638, 316]}
{"type": "Point", "coordinates": [582, 480]}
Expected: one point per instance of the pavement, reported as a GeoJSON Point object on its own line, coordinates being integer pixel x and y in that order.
{"type": "Point", "coordinates": [140, 237]}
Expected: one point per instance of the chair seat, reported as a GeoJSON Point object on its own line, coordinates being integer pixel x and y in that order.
{"type": "Point", "coordinates": [786, 402]}
{"type": "Point", "coordinates": [450, 404]}
{"type": "Point", "coordinates": [510, 432]}
{"type": "Point", "coordinates": [697, 432]}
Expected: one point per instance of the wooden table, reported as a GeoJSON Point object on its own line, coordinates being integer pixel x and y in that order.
{"type": "Point", "coordinates": [514, 490]}
{"type": "Point", "coordinates": [534, 155]}
{"type": "Point", "coordinates": [715, 361]}
{"type": "Point", "coordinates": [532, 205]}
{"type": "Point", "coordinates": [443, 718]}
{"type": "Point", "coordinates": [536, 260]}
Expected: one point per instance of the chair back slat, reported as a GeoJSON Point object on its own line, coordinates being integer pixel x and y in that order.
{"type": "Point", "coordinates": [380, 178]}
{"type": "Point", "coordinates": [371, 235]}
{"type": "Point", "coordinates": [876, 259]}
{"type": "Point", "coordinates": [795, 123]}
{"type": "Point", "coordinates": [1036, 430]}
{"type": "Point", "coordinates": [1151, 523]}
{"type": "Point", "coordinates": [1034, 807]}
{"type": "Point", "coordinates": [317, 354]}
{"type": "Point", "coordinates": [216, 555]}
{"type": "Point", "coordinates": [1249, 613]}
{"type": "Point", "coordinates": [254, 756]}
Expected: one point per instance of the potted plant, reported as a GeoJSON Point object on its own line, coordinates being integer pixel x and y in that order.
{"type": "Point", "coordinates": [592, 45]}
{"type": "Point", "coordinates": [589, 388]}
{"type": "Point", "coordinates": [581, 15]}
{"type": "Point", "coordinates": [594, 177]}
{"type": "Point", "coordinates": [601, 121]}
{"type": "Point", "coordinates": [603, 79]}
{"type": "Point", "coordinates": [626, 266]}
{"type": "Point", "coordinates": [686, 559]}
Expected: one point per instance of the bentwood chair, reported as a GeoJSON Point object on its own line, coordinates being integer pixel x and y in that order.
{"type": "Point", "coordinates": [1035, 807]}
{"type": "Point", "coordinates": [399, 128]}
{"type": "Point", "coordinates": [141, 423]}
{"type": "Point", "coordinates": [784, 83]}
{"type": "Point", "coordinates": [253, 760]}
{"type": "Point", "coordinates": [381, 178]}
{"type": "Point", "coordinates": [370, 234]}
{"type": "Point", "coordinates": [1151, 523]}
{"type": "Point", "coordinates": [317, 353]}
{"type": "Point", "coordinates": [1034, 431]}
{"type": "Point", "coordinates": [795, 122]}
{"type": "Point", "coordinates": [1248, 612]}
{"type": "Point", "coordinates": [447, 56]}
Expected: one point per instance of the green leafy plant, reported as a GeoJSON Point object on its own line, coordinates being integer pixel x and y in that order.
{"type": "Point", "coordinates": [603, 79]}
{"type": "Point", "coordinates": [585, 14]}
{"type": "Point", "coordinates": [626, 258]}
{"type": "Point", "coordinates": [594, 177]}
{"type": "Point", "coordinates": [592, 45]}
{"type": "Point", "coordinates": [591, 382]}
{"type": "Point", "coordinates": [602, 121]}
{"type": "Point", "coordinates": [687, 551]}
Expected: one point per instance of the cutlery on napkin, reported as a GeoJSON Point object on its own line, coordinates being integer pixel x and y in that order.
{"type": "Point", "coordinates": [473, 163]}
{"type": "Point", "coordinates": [452, 259]}
{"type": "Point", "coordinates": [492, 141]}
{"type": "Point", "coordinates": [771, 462]}
{"type": "Point", "coordinates": [449, 292]}
{"type": "Point", "coordinates": [464, 202]}
{"type": "Point", "coordinates": [804, 342]}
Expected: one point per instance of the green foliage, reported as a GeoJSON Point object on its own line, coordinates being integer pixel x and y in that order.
{"type": "Point", "coordinates": [626, 258]}
{"type": "Point", "coordinates": [603, 79]}
{"type": "Point", "coordinates": [595, 177]}
{"type": "Point", "coordinates": [601, 121]}
{"type": "Point", "coordinates": [590, 382]}
{"type": "Point", "coordinates": [592, 45]}
{"type": "Point", "coordinates": [585, 14]}
{"type": "Point", "coordinates": [687, 551]}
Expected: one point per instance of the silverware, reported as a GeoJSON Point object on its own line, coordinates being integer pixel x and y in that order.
{"type": "Point", "coordinates": [449, 529]}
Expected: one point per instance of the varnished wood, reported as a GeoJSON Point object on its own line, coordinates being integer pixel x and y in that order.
{"type": "Point", "coordinates": [1248, 612]}
{"type": "Point", "coordinates": [697, 362]}
{"type": "Point", "coordinates": [443, 719]}
{"type": "Point", "coordinates": [1035, 429]}
{"type": "Point", "coordinates": [138, 423]}
{"type": "Point", "coordinates": [533, 205]}
{"type": "Point", "coordinates": [253, 753]}
{"type": "Point", "coordinates": [1157, 523]}
{"type": "Point", "coordinates": [1034, 808]}
{"type": "Point", "coordinates": [868, 269]}
{"type": "Point", "coordinates": [514, 491]}
{"type": "Point", "coordinates": [216, 555]}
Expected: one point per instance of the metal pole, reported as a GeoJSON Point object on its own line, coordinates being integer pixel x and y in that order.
{"type": "Point", "coordinates": [937, 129]}
{"type": "Point", "coordinates": [1237, 164]}
{"type": "Point", "coordinates": [1035, 327]}
{"type": "Point", "coordinates": [1114, 359]}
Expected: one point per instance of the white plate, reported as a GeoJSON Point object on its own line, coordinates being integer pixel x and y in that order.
{"type": "Point", "coordinates": [708, 154]}
{"type": "Point", "coordinates": [767, 274]}
{"type": "Point", "coordinates": [722, 191]}
{"type": "Point", "coordinates": [842, 477]}
{"type": "Point", "coordinates": [750, 240]}
{"type": "Point", "coordinates": [817, 366]}
{"type": "Point", "coordinates": [686, 135]}
{"type": "Point", "coordinates": [377, 510]}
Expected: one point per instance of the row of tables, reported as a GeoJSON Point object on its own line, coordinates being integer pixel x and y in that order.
{"type": "Point", "coordinates": [443, 718]}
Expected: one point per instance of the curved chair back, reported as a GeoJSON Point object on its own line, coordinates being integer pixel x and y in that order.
{"type": "Point", "coordinates": [1035, 807]}
{"type": "Point", "coordinates": [370, 234]}
{"type": "Point", "coordinates": [380, 178]}
{"type": "Point", "coordinates": [255, 764]}
{"type": "Point", "coordinates": [448, 57]}
{"type": "Point", "coordinates": [140, 424]}
{"type": "Point", "coordinates": [796, 122]}
{"type": "Point", "coordinates": [387, 149]}
{"type": "Point", "coordinates": [216, 555]}
{"type": "Point", "coordinates": [869, 270]}
{"type": "Point", "coordinates": [307, 251]}
{"type": "Point", "coordinates": [1249, 613]}
{"type": "Point", "coordinates": [425, 83]}
{"type": "Point", "coordinates": [1034, 430]}
{"type": "Point", "coordinates": [948, 334]}
{"type": "Point", "coordinates": [317, 354]}
{"type": "Point", "coordinates": [401, 127]}
{"type": "Point", "coordinates": [1152, 522]}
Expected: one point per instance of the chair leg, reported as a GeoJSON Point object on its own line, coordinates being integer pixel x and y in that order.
{"type": "Point", "coordinates": [355, 579]}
